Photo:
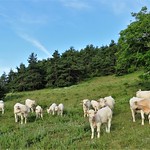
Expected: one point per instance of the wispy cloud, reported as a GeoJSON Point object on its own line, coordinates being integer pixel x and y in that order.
{"type": "Point", "coordinates": [119, 7]}
{"type": "Point", "coordinates": [76, 4]}
{"type": "Point", "coordinates": [18, 25]}
{"type": "Point", "coordinates": [116, 6]}
{"type": "Point", "coordinates": [35, 43]}
{"type": "Point", "coordinates": [39, 19]}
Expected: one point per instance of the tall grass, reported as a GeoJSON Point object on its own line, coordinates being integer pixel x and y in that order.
{"type": "Point", "coordinates": [72, 131]}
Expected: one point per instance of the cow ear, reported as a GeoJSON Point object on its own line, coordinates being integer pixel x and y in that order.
{"type": "Point", "coordinates": [18, 107]}
{"type": "Point", "coordinates": [105, 100]}
{"type": "Point", "coordinates": [135, 102]}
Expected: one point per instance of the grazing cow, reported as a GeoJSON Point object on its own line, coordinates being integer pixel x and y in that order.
{"type": "Point", "coordinates": [107, 101]}
{"type": "Point", "coordinates": [52, 109]}
{"type": "Point", "coordinates": [39, 112]}
{"type": "Point", "coordinates": [21, 110]}
{"type": "Point", "coordinates": [133, 108]}
{"type": "Point", "coordinates": [2, 106]}
{"type": "Point", "coordinates": [95, 105]}
{"type": "Point", "coordinates": [96, 119]}
{"type": "Point", "coordinates": [59, 109]}
{"type": "Point", "coordinates": [144, 107]}
{"type": "Point", "coordinates": [143, 94]}
{"type": "Point", "coordinates": [86, 104]}
{"type": "Point", "coordinates": [31, 104]}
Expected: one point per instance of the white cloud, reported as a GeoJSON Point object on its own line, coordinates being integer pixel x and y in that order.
{"type": "Point", "coordinates": [39, 19]}
{"type": "Point", "coordinates": [76, 4]}
{"type": "Point", "coordinates": [35, 43]}
{"type": "Point", "coordinates": [116, 6]}
{"type": "Point", "coordinates": [119, 7]}
{"type": "Point", "coordinates": [18, 25]}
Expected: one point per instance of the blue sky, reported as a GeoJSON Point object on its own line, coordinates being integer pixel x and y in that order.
{"type": "Point", "coordinates": [43, 26]}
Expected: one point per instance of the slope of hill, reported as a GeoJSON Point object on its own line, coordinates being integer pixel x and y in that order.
{"type": "Point", "coordinates": [72, 131]}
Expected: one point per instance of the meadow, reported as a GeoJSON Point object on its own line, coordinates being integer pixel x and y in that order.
{"type": "Point", "coordinates": [72, 131]}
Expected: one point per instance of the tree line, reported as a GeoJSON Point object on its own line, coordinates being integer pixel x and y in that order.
{"type": "Point", "coordinates": [129, 54]}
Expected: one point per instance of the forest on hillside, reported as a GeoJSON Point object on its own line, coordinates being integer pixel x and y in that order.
{"type": "Point", "coordinates": [131, 53]}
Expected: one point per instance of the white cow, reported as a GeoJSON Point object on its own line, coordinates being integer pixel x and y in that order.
{"type": "Point", "coordinates": [51, 109]}
{"type": "Point", "coordinates": [95, 105]}
{"type": "Point", "coordinates": [107, 101]}
{"type": "Point", "coordinates": [143, 94]}
{"type": "Point", "coordinates": [21, 110]}
{"type": "Point", "coordinates": [133, 107]}
{"type": "Point", "coordinates": [31, 104]}
{"type": "Point", "coordinates": [86, 104]}
{"type": "Point", "coordinates": [39, 112]}
{"type": "Point", "coordinates": [2, 106]}
{"type": "Point", "coordinates": [59, 109]}
{"type": "Point", "coordinates": [96, 119]}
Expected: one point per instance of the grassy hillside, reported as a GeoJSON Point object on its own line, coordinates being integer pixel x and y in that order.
{"type": "Point", "coordinates": [72, 131]}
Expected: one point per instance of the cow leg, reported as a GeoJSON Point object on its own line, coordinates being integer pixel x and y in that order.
{"type": "Point", "coordinates": [25, 120]}
{"type": "Point", "coordinates": [21, 119]}
{"type": "Point", "coordinates": [133, 114]}
{"type": "Point", "coordinates": [98, 129]}
{"type": "Point", "coordinates": [149, 118]}
{"type": "Point", "coordinates": [84, 113]}
{"type": "Point", "coordinates": [32, 110]}
{"type": "Point", "coordinates": [2, 110]}
{"type": "Point", "coordinates": [16, 118]}
{"type": "Point", "coordinates": [109, 125]}
{"type": "Point", "coordinates": [53, 112]}
{"type": "Point", "coordinates": [142, 117]}
{"type": "Point", "coordinates": [92, 130]}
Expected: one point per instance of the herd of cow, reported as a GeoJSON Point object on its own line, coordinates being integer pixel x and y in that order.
{"type": "Point", "coordinates": [98, 111]}
{"type": "Point", "coordinates": [101, 111]}
{"type": "Point", "coordinates": [21, 111]}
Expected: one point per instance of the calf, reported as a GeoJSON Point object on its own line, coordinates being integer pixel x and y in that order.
{"type": "Point", "coordinates": [59, 109]}
{"type": "Point", "coordinates": [107, 101]}
{"type": "Point", "coordinates": [2, 106]}
{"type": "Point", "coordinates": [95, 105]}
{"type": "Point", "coordinates": [39, 112]}
{"type": "Point", "coordinates": [133, 108]}
{"type": "Point", "coordinates": [52, 109]}
{"type": "Point", "coordinates": [96, 119]}
{"type": "Point", "coordinates": [31, 104]}
{"type": "Point", "coordinates": [143, 94]}
{"type": "Point", "coordinates": [86, 104]}
{"type": "Point", "coordinates": [21, 110]}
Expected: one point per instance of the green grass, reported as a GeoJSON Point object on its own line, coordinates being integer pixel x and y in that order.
{"type": "Point", "coordinates": [72, 131]}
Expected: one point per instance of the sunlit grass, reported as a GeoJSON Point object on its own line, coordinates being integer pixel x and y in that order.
{"type": "Point", "coordinates": [72, 131]}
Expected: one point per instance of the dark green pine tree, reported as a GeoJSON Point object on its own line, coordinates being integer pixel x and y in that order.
{"type": "Point", "coordinates": [34, 79]}
{"type": "Point", "coordinates": [21, 78]}
{"type": "Point", "coordinates": [3, 85]}
{"type": "Point", "coordinates": [2, 92]}
{"type": "Point", "coordinates": [109, 59]}
{"type": "Point", "coordinates": [11, 80]}
{"type": "Point", "coordinates": [53, 70]}
{"type": "Point", "coordinates": [70, 70]}
{"type": "Point", "coordinates": [87, 55]}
